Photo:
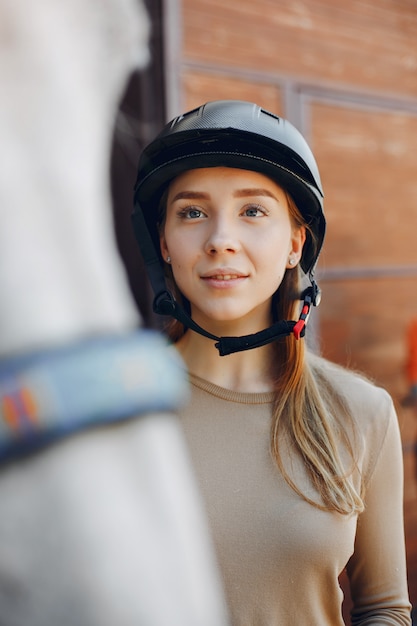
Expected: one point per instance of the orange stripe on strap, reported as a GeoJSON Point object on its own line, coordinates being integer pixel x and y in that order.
{"type": "Point", "coordinates": [10, 412]}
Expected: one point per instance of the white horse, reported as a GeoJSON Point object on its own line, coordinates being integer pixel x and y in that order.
{"type": "Point", "coordinates": [104, 525]}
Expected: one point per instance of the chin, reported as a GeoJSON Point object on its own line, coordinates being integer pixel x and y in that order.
{"type": "Point", "coordinates": [230, 323]}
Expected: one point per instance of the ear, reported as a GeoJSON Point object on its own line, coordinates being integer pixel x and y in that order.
{"type": "Point", "coordinates": [163, 247]}
{"type": "Point", "coordinates": [298, 239]}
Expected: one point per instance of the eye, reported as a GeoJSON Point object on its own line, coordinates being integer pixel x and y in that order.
{"type": "Point", "coordinates": [191, 213]}
{"type": "Point", "coordinates": [254, 210]}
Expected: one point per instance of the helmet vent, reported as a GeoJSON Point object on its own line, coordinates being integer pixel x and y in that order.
{"type": "Point", "coordinates": [275, 117]}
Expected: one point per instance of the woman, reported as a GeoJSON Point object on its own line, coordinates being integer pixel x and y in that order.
{"type": "Point", "coordinates": [299, 461]}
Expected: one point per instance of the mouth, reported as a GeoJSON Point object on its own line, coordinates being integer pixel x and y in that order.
{"type": "Point", "coordinates": [224, 277]}
{"type": "Point", "coordinates": [224, 274]}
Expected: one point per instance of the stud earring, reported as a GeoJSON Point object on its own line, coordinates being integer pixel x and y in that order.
{"type": "Point", "coordinates": [168, 259]}
{"type": "Point", "coordinates": [291, 261]}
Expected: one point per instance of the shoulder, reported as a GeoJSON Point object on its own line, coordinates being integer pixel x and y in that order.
{"type": "Point", "coordinates": [358, 391]}
{"type": "Point", "coordinates": [369, 407]}
{"type": "Point", "coordinates": [363, 409]}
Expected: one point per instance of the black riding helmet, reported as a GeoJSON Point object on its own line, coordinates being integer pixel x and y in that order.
{"type": "Point", "coordinates": [235, 134]}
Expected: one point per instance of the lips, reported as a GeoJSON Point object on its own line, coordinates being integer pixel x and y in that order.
{"type": "Point", "coordinates": [224, 278]}
{"type": "Point", "coordinates": [224, 275]}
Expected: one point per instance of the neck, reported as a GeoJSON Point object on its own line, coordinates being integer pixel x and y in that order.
{"type": "Point", "coordinates": [244, 371]}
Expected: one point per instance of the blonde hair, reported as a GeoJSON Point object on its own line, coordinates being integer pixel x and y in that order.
{"type": "Point", "coordinates": [308, 412]}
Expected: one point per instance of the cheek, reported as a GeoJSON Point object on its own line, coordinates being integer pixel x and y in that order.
{"type": "Point", "coordinates": [184, 245]}
{"type": "Point", "coordinates": [175, 238]}
{"type": "Point", "coordinates": [183, 281]}
{"type": "Point", "coordinates": [182, 262]}
{"type": "Point", "coordinates": [180, 252]}
{"type": "Point", "coordinates": [273, 251]}
{"type": "Point", "coordinates": [272, 261]}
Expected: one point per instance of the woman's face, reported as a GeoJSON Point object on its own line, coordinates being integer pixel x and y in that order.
{"type": "Point", "coordinates": [230, 238]}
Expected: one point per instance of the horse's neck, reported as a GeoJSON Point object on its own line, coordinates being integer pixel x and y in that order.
{"type": "Point", "coordinates": [64, 71]}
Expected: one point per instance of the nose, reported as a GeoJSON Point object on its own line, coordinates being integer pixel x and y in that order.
{"type": "Point", "coordinates": [222, 237]}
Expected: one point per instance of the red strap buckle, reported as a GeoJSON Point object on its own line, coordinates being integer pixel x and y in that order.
{"type": "Point", "coordinates": [301, 324]}
{"type": "Point", "coordinates": [298, 328]}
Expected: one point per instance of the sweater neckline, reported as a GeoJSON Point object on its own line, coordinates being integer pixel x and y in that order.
{"type": "Point", "coordinates": [230, 395]}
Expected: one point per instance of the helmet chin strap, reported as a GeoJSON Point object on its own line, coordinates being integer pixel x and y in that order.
{"type": "Point", "coordinates": [165, 304]}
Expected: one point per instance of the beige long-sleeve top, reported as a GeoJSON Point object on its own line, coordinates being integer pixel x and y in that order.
{"type": "Point", "coordinates": [280, 557]}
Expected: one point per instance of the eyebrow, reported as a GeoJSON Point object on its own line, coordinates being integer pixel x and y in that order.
{"type": "Point", "coordinates": [239, 193]}
{"type": "Point", "coordinates": [257, 191]}
{"type": "Point", "coordinates": [191, 195]}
